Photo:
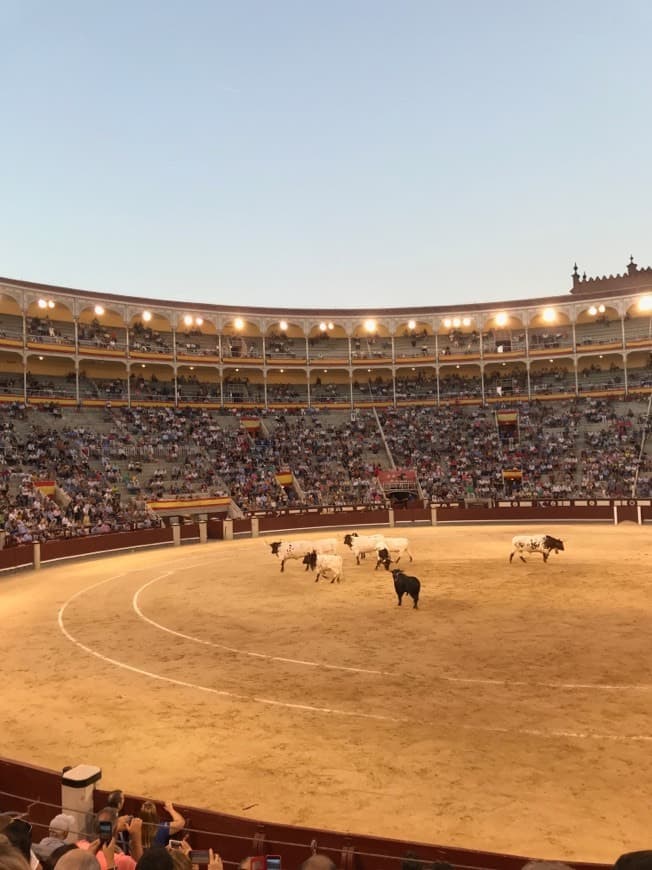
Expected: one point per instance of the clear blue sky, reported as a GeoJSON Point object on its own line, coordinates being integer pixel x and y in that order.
{"type": "Point", "coordinates": [342, 153]}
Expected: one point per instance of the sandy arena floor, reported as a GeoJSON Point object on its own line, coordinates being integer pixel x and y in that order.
{"type": "Point", "coordinates": [511, 712]}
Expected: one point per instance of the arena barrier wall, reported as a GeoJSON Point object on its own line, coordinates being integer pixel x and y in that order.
{"type": "Point", "coordinates": [37, 792]}
{"type": "Point", "coordinates": [549, 511]}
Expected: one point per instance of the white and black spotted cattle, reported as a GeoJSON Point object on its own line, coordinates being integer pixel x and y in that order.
{"type": "Point", "coordinates": [326, 564]}
{"type": "Point", "coordinates": [390, 550]}
{"type": "Point", "coordinates": [297, 549]}
{"type": "Point", "coordinates": [544, 544]}
{"type": "Point", "coordinates": [362, 544]}
{"type": "Point", "coordinates": [406, 585]}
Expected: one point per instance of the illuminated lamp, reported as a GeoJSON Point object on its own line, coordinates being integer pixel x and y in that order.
{"type": "Point", "coordinates": [42, 303]}
{"type": "Point", "coordinates": [322, 327]}
{"type": "Point", "coordinates": [370, 325]}
{"type": "Point", "coordinates": [199, 321]}
{"type": "Point", "coordinates": [549, 315]}
{"type": "Point", "coordinates": [593, 311]}
{"type": "Point", "coordinates": [238, 323]}
{"type": "Point", "coordinates": [456, 322]}
{"type": "Point", "coordinates": [412, 324]}
{"type": "Point", "coordinates": [187, 320]}
{"type": "Point", "coordinates": [645, 303]}
{"type": "Point", "coordinates": [147, 316]}
{"type": "Point", "coordinates": [448, 322]}
{"type": "Point", "coordinates": [99, 310]}
{"type": "Point", "coordinates": [466, 321]}
{"type": "Point", "coordinates": [601, 309]}
{"type": "Point", "coordinates": [330, 325]}
{"type": "Point", "coordinates": [283, 325]}
{"type": "Point", "coordinates": [501, 319]}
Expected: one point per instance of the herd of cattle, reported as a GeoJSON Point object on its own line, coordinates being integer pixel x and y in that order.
{"type": "Point", "coordinates": [321, 556]}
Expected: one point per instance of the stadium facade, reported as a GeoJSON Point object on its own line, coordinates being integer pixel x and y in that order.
{"type": "Point", "coordinates": [75, 346]}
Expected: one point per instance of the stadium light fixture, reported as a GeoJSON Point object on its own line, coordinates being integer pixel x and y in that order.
{"type": "Point", "coordinates": [370, 325]}
{"type": "Point", "coordinates": [322, 327]}
{"type": "Point", "coordinates": [501, 319]}
{"type": "Point", "coordinates": [283, 325]}
{"type": "Point", "coordinates": [466, 321]}
{"type": "Point", "coordinates": [412, 324]}
{"type": "Point", "coordinates": [330, 325]}
{"type": "Point", "coordinates": [42, 303]}
{"type": "Point", "coordinates": [99, 310]}
{"type": "Point", "coordinates": [593, 311]}
{"type": "Point", "coordinates": [448, 322]}
{"type": "Point", "coordinates": [645, 303]}
{"type": "Point", "coordinates": [601, 309]}
{"type": "Point", "coordinates": [549, 315]}
{"type": "Point", "coordinates": [187, 320]}
{"type": "Point", "coordinates": [147, 316]}
{"type": "Point", "coordinates": [238, 323]}
{"type": "Point", "coordinates": [457, 322]}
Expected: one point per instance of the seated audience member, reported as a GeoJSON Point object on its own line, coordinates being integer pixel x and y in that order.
{"type": "Point", "coordinates": [157, 833]}
{"type": "Point", "coordinates": [318, 862]}
{"type": "Point", "coordinates": [116, 799]}
{"type": "Point", "coordinates": [156, 858]}
{"type": "Point", "coordinates": [19, 833]}
{"type": "Point", "coordinates": [641, 860]}
{"type": "Point", "coordinates": [78, 859]}
{"type": "Point", "coordinates": [111, 856]}
{"type": "Point", "coordinates": [59, 828]}
{"type": "Point", "coordinates": [11, 858]}
{"type": "Point", "coordinates": [53, 858]}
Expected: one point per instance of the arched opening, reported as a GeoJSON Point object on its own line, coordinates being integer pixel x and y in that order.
{"type": "Point", "coordinates": [328, 340]}
{"type": "Point", "coordinates": [241, 340]}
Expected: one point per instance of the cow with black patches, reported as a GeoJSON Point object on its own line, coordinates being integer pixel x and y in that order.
{"type": "Point", "coordinates": [360, 545]}
{"type": "Point", "coordinates": [285, 550]}
{"type": "Point", "coordinates": [406, 585]}
{"type": "Point", "coordinates": [390, 550]}
{"type": "Point", "coordinates": [544, 544]}
{"type": "Point", "coordinates": [325, 564]}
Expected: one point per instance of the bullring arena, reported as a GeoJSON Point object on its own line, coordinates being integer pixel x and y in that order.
{"type": "Point", "coordinates": [511, 712]}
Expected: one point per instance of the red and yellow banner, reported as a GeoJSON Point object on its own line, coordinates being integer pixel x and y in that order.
{"type": "Point", "coordinates": [46, 487]}
{"type": "Point", "coordinates": [509, 417]}
{"type": "Point", "coordinates": [512, 474]}
{"type": "Point", "coordinates": [250, 423]}
{"type": "Point", "coordinates": [284, 478]}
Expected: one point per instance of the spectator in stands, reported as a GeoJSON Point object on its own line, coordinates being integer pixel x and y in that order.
{"type": "Point", "coordinates": [81, 859]}
{"type": "Point", "coordinates": [318, 862]}
{"type": "Point", "coordinates": [60, 826]}
{"type": "Point", "coordinates": [156, 858]}
{"type": "Point", "coordinates": [157, 833]}
{"type": "Point", "coordinates": [19, 833]}
{"type": "Point", "coordinates": [112, 856]}
{"type": "Point", "coordinates": [11, 858]}
{"type": "Point", "coordinates": [641, 860]}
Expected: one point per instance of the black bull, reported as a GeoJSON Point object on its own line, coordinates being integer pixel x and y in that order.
{"type": "Point", "coordinates": [406, 585]}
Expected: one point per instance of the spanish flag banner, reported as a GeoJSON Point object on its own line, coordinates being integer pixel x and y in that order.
{"type": "Point", "coordinates": [508, 418]}
{"type": "Point", "coordinates": [46, 487]}
{"type": "Point", "coordinates": [284, 478]}
{"type": "Point", "coordinates": [250, 423]}
{"type": "Point", "coordinates": [512, 474]}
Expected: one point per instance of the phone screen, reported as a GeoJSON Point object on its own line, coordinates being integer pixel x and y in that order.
{"type": "Point", "coordinates": [199, 856]}
{"type": "Point", "coordinates": [106, 832]}
{"type": "Point", "coordinates": [273, 862]}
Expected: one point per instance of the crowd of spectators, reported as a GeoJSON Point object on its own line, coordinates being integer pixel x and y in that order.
{"type": "Point", "coordinates": [117, 840]}
{"type": "Point", "coordinates": [106, 469]}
